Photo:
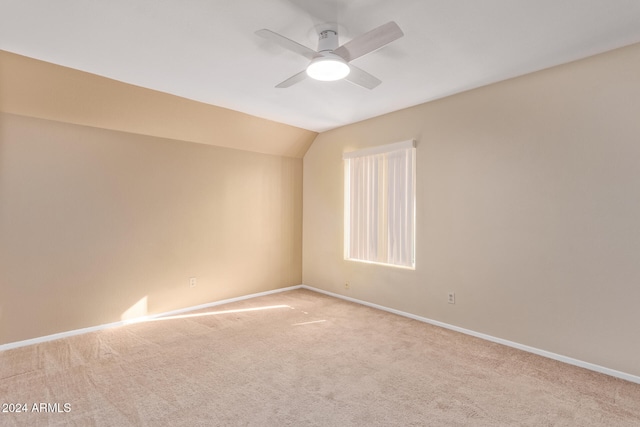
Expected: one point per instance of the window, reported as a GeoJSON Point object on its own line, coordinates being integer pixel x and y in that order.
{"type": "Point", "coordinates": [380, 204]}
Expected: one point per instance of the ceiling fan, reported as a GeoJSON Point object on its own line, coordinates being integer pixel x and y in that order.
{"type": "Point", "coordinates": [331, 62]}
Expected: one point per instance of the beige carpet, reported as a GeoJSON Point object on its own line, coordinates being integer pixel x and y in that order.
{"type": "Point", "coordinates": [302, 359]}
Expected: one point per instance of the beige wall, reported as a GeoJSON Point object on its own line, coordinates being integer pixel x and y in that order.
{"type": "Point", "coordinates": [93, 220]}
{"type": "Point", "coordinates": [527, 208]}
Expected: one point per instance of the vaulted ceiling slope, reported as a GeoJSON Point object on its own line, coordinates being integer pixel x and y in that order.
{"type": "Point", "coordinates": [33, 88]}
{"type": "Point", "coordinates": [207, 50]}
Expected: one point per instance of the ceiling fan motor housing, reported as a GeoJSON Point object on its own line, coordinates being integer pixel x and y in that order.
{"type": "Point", "coordinates": [328, 41]}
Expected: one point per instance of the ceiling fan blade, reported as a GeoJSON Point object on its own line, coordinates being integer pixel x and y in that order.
{"type": "Point", "coordinates": [287, 43]}
{"type": "Point", "coordinates": [362, 78]}
{"type": "Point", "coordinates": [296, 78]}
{"type": "Point", "coordinates": [369, 41]}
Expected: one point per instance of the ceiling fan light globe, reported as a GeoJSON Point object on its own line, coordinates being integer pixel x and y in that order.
{"type": "Point", "coordinates": [328, 69]}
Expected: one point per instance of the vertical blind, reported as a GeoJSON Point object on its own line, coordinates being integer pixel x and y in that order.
{"type": "Point", "coordinates": [380, 204]}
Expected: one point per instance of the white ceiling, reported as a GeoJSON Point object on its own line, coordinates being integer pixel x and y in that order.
{"type": "Point", "coordinates": [206, 50]}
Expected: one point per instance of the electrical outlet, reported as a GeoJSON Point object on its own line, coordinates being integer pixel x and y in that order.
{"type": "Point", "coordinates": [451, 299]}
{"type": "Point", "coordinates": [192, 282]}
{"type": "Point", "coordinates": [346, 286]}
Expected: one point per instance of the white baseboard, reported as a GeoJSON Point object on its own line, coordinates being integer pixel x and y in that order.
{"type": "Point", "coordinates": [60, 335]}
{"type": "Point", "coordinates": [539, 352]}
{"type": "Point", "coordinates": [544, 353]}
